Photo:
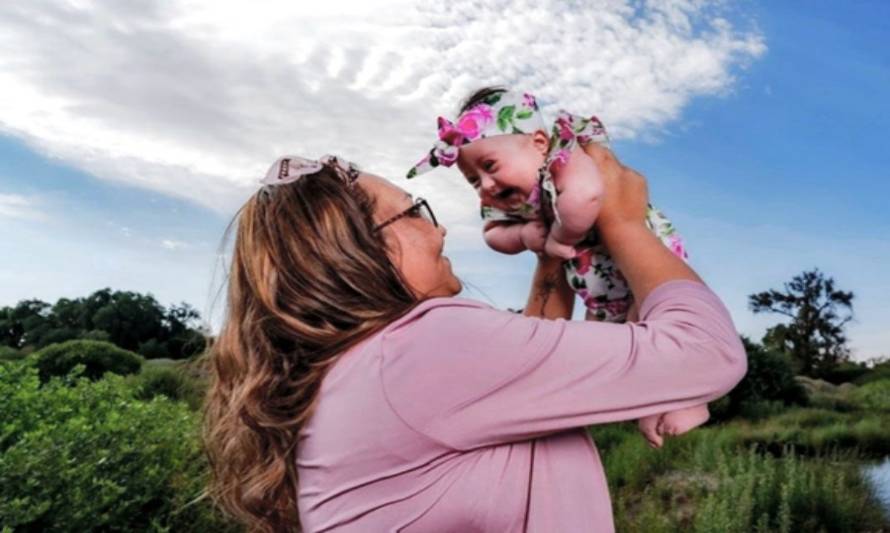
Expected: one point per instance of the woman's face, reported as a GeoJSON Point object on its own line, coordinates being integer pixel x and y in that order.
{"type": "Point", "coordinates": [416, 244]}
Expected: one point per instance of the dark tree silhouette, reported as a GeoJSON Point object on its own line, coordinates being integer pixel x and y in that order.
{"type": "Point", "coordinates": [814, 337]}
{"type": "Point", "coordinates": [128, 319]}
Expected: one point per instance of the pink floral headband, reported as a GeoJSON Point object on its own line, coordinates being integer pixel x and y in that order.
{"type": "Point", "coordinates": [502, 113]}
{"type": "Point", "coordinates": [289, 168]}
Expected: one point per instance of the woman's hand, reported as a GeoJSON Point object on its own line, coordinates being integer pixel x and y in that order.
{"type": "Point", "coordinates": [626, 196]}
{"type": "Point", "coordinates": [642, 258]}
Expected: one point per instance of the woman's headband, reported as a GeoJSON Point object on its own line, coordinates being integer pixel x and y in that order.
{"type": "Point", "coordinates": [290, 168]}
{"type": "Point", "coordinates": [501, 113]}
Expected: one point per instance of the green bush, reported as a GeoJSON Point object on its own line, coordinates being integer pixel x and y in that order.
{"type": "Point", "coordinates": [769, 379]}
{"type": "Point", "coordinates": [96, 335]}
{"type": "Point", "coordinates": [753, 492]}
{"type": "Point", "coordinates": [845, 372]}
{"type": "Point", "coordinates": [170, 381]}
{"type": "Point", "coordinates": [873, 395]}
{"type": "Point", "coordinates": [82, 455]}
{"type": "Point", "coordinates": [152, 349]}
{"type": "Point", "coordinates": [8, 353]}
{"type": "Point", "coordinates": [813, 431]}
{"type": "Point", "coordinates": [879, 372]}
{"type": "Point", "coordinates": [97, 357]}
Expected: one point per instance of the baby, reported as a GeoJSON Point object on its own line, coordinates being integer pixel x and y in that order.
{"type": "Point", "coordinates": [543, 193]}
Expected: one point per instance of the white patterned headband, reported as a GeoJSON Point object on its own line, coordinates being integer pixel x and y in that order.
{"type": "Point", "coordinates": [289, 168]}
{"type": "Point", "coordinates": [501, 113]}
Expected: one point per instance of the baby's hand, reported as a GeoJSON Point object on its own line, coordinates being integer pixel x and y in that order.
{"type": "Point", "coordinates": [534, 235]}
{"type": "Point", "coordinates": [555, 248]}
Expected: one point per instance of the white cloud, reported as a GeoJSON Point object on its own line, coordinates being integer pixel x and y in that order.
{"type": "Point", "coordinates": [17, 206]}
{"type": "Point", "coordinates": [172, 244]}
{"type": "Point", "coordinates": [195, 98]}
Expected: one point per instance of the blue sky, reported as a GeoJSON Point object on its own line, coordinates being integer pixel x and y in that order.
{"type": "Point", "coordinates": [780, 167]}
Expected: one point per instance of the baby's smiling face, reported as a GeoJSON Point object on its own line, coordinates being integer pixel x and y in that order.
{"type": "Point", "coordinates": [503, 169]}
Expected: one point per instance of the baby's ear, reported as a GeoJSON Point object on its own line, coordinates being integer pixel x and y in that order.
{"type": "Point", "coordinates": [540, 141]}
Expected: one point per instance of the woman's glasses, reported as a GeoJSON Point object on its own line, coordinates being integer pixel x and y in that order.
{"type": "Point", "coordinates": [420, 208]}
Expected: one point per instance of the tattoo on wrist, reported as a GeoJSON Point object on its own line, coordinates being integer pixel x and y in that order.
{"type": "Point", "coordinates": [546, 287]}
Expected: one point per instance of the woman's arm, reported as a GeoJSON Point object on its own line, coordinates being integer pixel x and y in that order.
{"type": "Point", "coordinates": [550, 295]}
{"type": "Point", "coordinates": [489, 377]}
{"type": "Point", "coordinates": [644, 260]}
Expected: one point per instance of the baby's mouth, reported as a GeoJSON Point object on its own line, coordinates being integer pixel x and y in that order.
{"type": "Point", "coordinates": [506, 193]}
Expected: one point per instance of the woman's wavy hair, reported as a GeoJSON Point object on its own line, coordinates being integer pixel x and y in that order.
{"type": "Point", "coordinates": [309, 278]}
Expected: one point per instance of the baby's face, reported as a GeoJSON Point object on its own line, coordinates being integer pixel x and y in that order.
{"type": "Point", "coordinates": [503, 169]}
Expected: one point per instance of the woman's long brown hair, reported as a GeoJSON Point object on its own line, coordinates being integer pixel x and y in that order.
{"type": "Point", "coordinates": [308, 279]}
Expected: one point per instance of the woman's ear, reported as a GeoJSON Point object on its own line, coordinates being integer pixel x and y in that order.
{"type": "Point", "coordinates": [541, 142]}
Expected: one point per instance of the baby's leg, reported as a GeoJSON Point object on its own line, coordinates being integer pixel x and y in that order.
{"type": "Point", "coordinates": [682, 420]}
{"type": "Point", "coordinates": [504, 237]}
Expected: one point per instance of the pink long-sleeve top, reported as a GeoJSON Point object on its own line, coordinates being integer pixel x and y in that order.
{"type": "Point", "coordinates": [459, 417]}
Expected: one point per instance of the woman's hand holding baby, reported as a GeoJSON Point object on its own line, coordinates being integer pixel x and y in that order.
{"type": "Point", "coordinates": [642, 258]}
{"type": "Point", "coordinates": [626, 194]}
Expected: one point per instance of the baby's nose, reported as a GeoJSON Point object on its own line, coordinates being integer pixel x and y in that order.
{"type": "Point", "coordinates": [488, 185]}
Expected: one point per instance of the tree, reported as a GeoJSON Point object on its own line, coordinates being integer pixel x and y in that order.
{"type": "Point", "coordinates": [814, 338]}
{"type": "Point", "coordinates": [24, 323]}
{"type": "Point", "coordinates": [130, 320]}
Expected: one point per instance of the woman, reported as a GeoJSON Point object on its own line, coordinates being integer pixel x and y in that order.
{"type": "Point", "coordinates": [354, 391]}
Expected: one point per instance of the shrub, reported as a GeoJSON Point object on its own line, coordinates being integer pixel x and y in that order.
{"type": "Point", "coordinates": [845, 372]}
{"type": "Point", "coordinates": [769, 379]}
{"type": "Point", "coordinates": [97, 357]}
{"type": "Point", "coordinates": [170, 381]}
{"type": "Point", "coordinates": [873, 395]}
{"type": "Point", "coordinates": [8, 353]}
{"type": "Point", "coordinates": [81, 455]}
{"type": "Point", "coordinates": [152, 349]}
{"type": "Point", "coordinates": [879, 372]}
{"type": "Point", "coordinates": [762, 493]}
{"type": "Point", "coordinates": [825, 395]}
{"type": "Point", "coordinates": [96, 335]}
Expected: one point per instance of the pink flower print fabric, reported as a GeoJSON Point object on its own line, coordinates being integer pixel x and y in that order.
{"type": "Point", "coordinates": [592, 274]}
{"type": "Point", "coordinates": [499, 114]}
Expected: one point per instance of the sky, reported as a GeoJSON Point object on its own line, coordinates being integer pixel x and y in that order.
{"type": "Point", "coordinates": [131, 132]}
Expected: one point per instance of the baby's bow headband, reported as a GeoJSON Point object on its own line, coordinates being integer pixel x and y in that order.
{"type": "Point", "coordinates": [502, 113]}
{"type": "Point", "coordinates": [290, 168]}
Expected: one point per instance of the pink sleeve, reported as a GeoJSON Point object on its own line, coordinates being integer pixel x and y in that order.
{"type": "Point", "coordinates": [470, 375]}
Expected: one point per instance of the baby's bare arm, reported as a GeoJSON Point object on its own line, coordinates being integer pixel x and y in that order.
{"type": "Point", "coordinates": [579, 199]}
{"type": "Point", "coordinates": [504, 236]}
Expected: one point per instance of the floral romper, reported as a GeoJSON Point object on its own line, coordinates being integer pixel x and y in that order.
{"type": "Point", "coordinates": [592, 273]}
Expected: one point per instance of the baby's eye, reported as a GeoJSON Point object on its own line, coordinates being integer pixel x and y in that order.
{"type": "Point", "coordinates": [488, 165]}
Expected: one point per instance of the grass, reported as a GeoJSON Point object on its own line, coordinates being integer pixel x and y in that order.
{"type": "Point", "coordinates": [797, 471]}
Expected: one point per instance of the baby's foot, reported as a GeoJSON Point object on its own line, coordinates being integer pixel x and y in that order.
{"type": "Point", "coordinates": [648, 426]}
{"type": "Point", "coordinates": [679, 422]}
{"type": "Point", "coordinates": [554, 248]}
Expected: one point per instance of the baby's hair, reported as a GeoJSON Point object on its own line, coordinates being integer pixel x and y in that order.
{"type": "Point", "coordinates": [480, 95]}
